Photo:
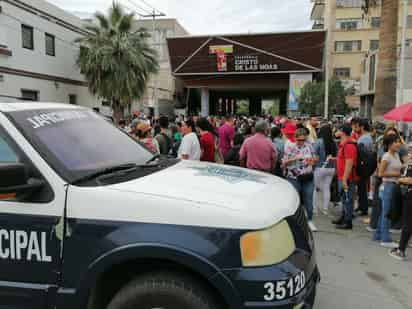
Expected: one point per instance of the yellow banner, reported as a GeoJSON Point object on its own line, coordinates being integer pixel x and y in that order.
{"type": "Point", "coordinates": [227, 49]}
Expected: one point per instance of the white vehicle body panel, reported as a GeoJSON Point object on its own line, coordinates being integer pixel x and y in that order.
{"type": "Point", "coordinates": [187, 194]}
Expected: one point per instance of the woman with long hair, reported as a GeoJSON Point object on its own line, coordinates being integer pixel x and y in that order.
{"type": "Point", "coordinates": [207, 140]}
{"type": "Point", "coordinates": [325, 148]}
{"type": "Point", "coordinates": [390, 172]}
{"type": "Point", "coordinates": [403, 155]}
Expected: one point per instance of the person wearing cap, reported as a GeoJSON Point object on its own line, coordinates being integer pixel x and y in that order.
{"type": "Point", "coordinates": [346, 173]}
{"type": "Point", "coordinates": [135, 122]}
{"type": "Point", "coordinates": [144, 136]}
{"type": "Point", "coordinates": [289, 131]}
{"type": "Point", "coordinates": [257, 152]}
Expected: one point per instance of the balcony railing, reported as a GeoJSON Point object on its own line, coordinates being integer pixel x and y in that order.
{"type": "Point", "coordinates": [318, 25]}
{"type": "Point", "coordinates": [318, 9]}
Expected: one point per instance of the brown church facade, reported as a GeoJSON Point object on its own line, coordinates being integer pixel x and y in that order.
{"type": "Point", "coordinates": [253, 68]}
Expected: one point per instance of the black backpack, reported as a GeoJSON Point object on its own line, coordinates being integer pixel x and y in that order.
{"type": "Point", "coordinates": [367, 161]}
{"type": "Point", "coordinates": [167, 139]}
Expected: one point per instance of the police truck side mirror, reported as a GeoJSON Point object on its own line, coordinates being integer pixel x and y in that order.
{"type": "Point", "coordinates": [15, 183]}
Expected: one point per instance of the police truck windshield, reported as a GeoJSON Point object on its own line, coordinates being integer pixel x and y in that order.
{"type": "Point", "coordinates": [78, 142]}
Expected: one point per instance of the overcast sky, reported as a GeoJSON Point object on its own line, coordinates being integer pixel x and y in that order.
{"type": "Point", "coordinates": [217, 16]}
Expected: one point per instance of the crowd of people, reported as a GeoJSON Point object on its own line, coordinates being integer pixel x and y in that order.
{"type": "Point", "coordinates": [345, 163]}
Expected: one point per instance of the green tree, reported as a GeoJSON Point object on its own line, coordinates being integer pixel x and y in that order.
{"type": "Point", "coordinates": [117, 60]}
{"type": "Point", "coordinates": [311, 100]}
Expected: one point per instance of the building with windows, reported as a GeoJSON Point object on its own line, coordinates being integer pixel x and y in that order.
{"type": "Point", "coordinates": [368, 80]}
{"type": "Point", "coordinates": [38, 54]}
{"type": "Point", "coordinates": [164, 92]}
{"type": "Point", "coordinates": [38, 58]}
{"type": "Point", "coordinates": [351, 37]}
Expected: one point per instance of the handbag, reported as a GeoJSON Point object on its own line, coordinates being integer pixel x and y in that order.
{"type": "Point", "coordinates": [304, 178]}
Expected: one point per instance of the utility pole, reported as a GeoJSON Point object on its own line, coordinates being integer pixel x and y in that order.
{"type": "Point", "coordinates": [403, 54]}
{"type": "Point", "coordinates": [327, 76]}
{"type": "Point", "coordinates": [155, 44]}
{"type": "Point", "coordinates": [328, 26]}
{"type": "Point", "coordinates": [400, 97]}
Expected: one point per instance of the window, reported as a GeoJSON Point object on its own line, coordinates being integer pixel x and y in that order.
{"type": "Point", "coordinates": [7, 154]}
{"type": "Point", "coordinates": [348, 46]}
{"type": "Point", "coordinates": [349, 24]}
{"type": "Point", "coordinates": [342, 72]}
{"type": "Point", "coordinates": [30, 95]}
{"type": "Point", "coordinates": [27, 37]}
{"type": "Point", "coordinates": [50, 45]}
{"type": "Point", "coordinates": [73, 99]}
{"type": "Point", "coordinates": [375, 22]}
{"type": "Point", "coordinates": [409, 21]}
{"type": "Point", "coordinates": [374, 45]}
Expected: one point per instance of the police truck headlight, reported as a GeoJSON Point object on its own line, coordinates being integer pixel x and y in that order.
{"type": "Point", "coordinates": [267, 247]}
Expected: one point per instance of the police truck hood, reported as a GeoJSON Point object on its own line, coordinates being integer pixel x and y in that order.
{"type": "Point", "coordinates": [199, 194]}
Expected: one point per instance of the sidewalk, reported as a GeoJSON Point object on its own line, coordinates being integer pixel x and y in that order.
{"type": "Point", "coordinates": [357, 273]}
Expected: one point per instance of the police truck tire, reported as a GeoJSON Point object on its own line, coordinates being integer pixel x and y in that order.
{"type": "Point", "coordinates": [163, 290]}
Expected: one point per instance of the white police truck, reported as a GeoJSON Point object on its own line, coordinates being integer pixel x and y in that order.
{"type": "Point", "coordinates": [89, 218]}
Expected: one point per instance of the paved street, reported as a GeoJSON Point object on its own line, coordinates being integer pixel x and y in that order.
{"type": "Point", "coordinates": [357, 273]}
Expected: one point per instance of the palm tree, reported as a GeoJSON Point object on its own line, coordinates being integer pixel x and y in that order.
{"type": "Point", "coordinates": [385, 94]}
{"type": "Point", "coordinates": [116, 60]}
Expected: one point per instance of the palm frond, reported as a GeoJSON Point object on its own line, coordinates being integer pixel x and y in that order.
{"type": "Point", "coordinates": [116, 60]}
{"type": "Point", "coordinates": [103, 21]}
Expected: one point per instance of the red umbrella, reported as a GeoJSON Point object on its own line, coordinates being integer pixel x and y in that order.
{"type": "Point", "coordinates": [401, 113]}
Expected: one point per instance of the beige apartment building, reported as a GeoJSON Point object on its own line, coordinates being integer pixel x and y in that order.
{"type": "Point", "coordinates": [351, 37]}
{"type": "Point", "coordinates": [164, 91]}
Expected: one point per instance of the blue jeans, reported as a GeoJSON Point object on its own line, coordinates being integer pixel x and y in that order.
{"type": "Point", "coordinates": [382, 232]}
{"type": "Point", "coordinates": [347, 200]}
{"type": "Point", "coordinates": [305, 190]}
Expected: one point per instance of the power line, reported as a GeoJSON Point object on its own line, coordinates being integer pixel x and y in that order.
{"type": "Point", "coordinates": [138, 7]}
{"type": "Point", "coordinates": [131, 9]}
{"type": "Point", "coordinates": [151, 6]}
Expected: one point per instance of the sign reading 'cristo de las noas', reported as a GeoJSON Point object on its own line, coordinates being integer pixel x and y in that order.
{"type": "Point", "coordinates": [251, 63]}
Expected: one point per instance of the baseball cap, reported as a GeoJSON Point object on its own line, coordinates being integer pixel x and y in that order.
{"type": "Point", "coordinates": [143, 127]}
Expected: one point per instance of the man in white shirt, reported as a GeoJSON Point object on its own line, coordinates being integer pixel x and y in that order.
{"type": "Point", "coordinates": [190, 147]}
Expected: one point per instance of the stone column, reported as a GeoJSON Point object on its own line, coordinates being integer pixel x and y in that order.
{"type": "Point", "coordinates": [205, 102]}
